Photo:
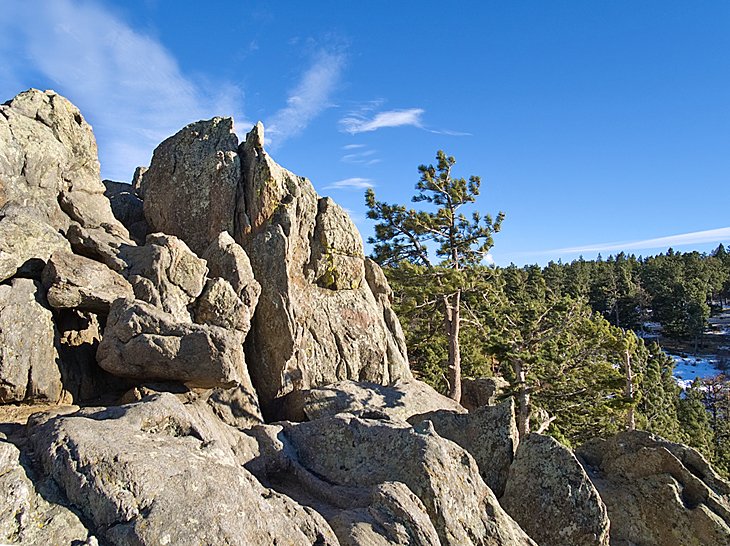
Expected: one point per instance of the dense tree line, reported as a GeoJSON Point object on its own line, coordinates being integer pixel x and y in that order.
{"type": "Point", "coordinates": [676, 290]}
{"type": "Point", "coordinates": [563, 336]}
{"type": "Point", "coordinates": [572, 372]}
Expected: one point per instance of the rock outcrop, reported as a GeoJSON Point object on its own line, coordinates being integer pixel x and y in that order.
{"type": "Point", "coordinates": [318, 321]}
{"type": "Point", "coordinates": [546, 479]}
{"type": "Point", "coordinates": [336, 462]}
{"type": "Point", "coordinates": [399, 401]}
{"type": "Point", "coordinates": [142, 342]}
{"type": "Point", "coordinates": [166, 273]}
{"type": "Point", "coordinates": [481, 391]}
{"type": "Point", "coordinates": [49, 162]}
{"type": "Point", "coordinates": [228, 261]}
{"type": "Point", "coordinates": [75, 282]}
{"type": "Point", "coordinates": [191, 186]}
{"type": "Point", "coordinates": [489, 434]}
{"type": "Point", "coordinates": [25, 516]}
{"type": "Point", "coordinates": [658, 492]}
{"type": "Point", "coordinates": [26, 242]}
{"type": "Point", "coordinates": [176, 480]}
{"type": "Point", "coordinates": [28, 359]}
{"type": "Point", "coordinates": [242, 289]}
{"type": "Point", "coordinates": [323, 313]}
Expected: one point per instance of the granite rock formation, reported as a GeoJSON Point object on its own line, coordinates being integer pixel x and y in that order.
{"type": "Point", "coordinates": [242, 295]}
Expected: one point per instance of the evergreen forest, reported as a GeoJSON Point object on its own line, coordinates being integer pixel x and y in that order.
{"type": "Point", "coordinates": [581, 346]}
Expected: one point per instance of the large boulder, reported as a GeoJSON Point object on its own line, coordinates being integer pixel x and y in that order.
{"type": "Point", "coordinates": [481, 391]}
{"type": "Point", "coordinates": [48, 161]}
{"type": "Point", "coordinates": [190, 188]}
{"type": "Point", "coordinates": [26, 242]}
{"type": "Point", "coordinates": [394, 516]}
{"type": "Point", "coordinates": [105, 244]}
{"type": "Point", "coordinates": [144, 343]}
{"type": "Point", "coordinates": [318, 320]}
{"type": "Point", "coordinates": [160, 472]}
{"type": "Point", "coordinates": [489, 434]}
{"type": "Point", "coordinates": [28, 359]}
{"type": "Point", "coordinates": [546, 479]}
{"type": "Point", "coordinates": [219, 305]}
{"type": "Point", "coordinates": [166, 273]}
{"type": "Point", "coordinates": [75, 282]}
{"type": "Point", "coordinates": [26, 517]}
{"type": "Point", "coordinates": [657, 492]}
{"type": "Point", "coordinates": [336, 255]}
{"type": "Point", "coordinates": [228, 261]}
{"type": "Point", "coordinates": [398, 401]}
{"type": "Point", "coordinates": [324, 313]}
{"type": "Point", "coordinates": [336, 463]}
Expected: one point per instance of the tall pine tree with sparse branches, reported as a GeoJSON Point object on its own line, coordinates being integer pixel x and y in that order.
{"type": "Point", "coordinates": [459, 242]}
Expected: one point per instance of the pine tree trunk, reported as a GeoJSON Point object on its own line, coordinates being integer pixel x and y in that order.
{"type": "Point", "coordinates": [452, 334]}
{"type": "Point", "coordinates": [523, 399]}
{"type": "Point", "coordinates": [629, 392]}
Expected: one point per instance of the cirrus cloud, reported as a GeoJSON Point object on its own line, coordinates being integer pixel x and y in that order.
{"type": "Point", "coordinates": [355, 123]}
{"type": "Point", "coordinates": [692, 238]}
{"type": "Point", "coordinates": [351, 184]}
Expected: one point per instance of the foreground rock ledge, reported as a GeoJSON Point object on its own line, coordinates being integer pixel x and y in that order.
{"type": "Point", "coordinates": [175, 480]}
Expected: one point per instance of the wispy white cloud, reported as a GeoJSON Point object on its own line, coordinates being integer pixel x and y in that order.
{"type": "Point", "coordinates": [356, 123]}
{"type": "Point", "coordinates": [693, 238]}
{"type": "Point", "coordinates": [308, 99]}
{"type": "Point", "coordinates": [353, 146]}
{"type": "Point", "coordinates": [351, 184]}
{"type": "Point", "coordinates": [358, 155]}
{"type": "Point", "coordinates": [364, 157]}
{"type": "Point", "coordinates": [448, 132]}
{"type": "Point", "coordinates": [127, 84]}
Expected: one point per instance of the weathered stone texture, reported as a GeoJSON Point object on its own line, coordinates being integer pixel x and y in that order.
{"type": "Point", "coordinates": [26, 517]}
{"type": "Point", "coordinates": [398, 401]}
{"type": "Point", "coordinates": [159, 472]}
{"type": "Point", "coordinates": [489, 434]}
{"type": "Point", "coordinates": [548, 480]}
{"type": "Point", "coordinates": [142, 342]}
{"type": "Point", "coordinates": [305, 335]}
{"type": "Point", "coordinates": [191, 185]}
{"type": "Point", "coordinates": [75, 282]}
{"type": "Point", "coordinates": [28, 359]}
{"type": "Point", "coordinates": [342, 458]}
{"type": "Point", "coordinates": [48, 161]}
{"type": "Point", "coordinates": [176, 275]}
{"type": "Point", "coordinates": [657, 492]}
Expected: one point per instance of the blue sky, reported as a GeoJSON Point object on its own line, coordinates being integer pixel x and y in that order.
{"type": "Point", "coordinates": [595, 126]}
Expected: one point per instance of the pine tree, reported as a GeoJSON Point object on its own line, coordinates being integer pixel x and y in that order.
{"type": "Point", "coordinates": [461, 243]}
{"type": "Point", "coordinates": [695, 421]}
{"type": "Point", "coordinates": [658, 406]}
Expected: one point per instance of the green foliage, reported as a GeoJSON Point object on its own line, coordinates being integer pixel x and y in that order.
{"type": "Point", "coordinates": [695, 421]}
{"type": "Point", "coordinates": [403, 234]}
{"type": "Point", "coordinates": [716, 399]}
{"type": "Point", "coordinates": [403, 238]}
{"type": "Point", "coordinates": [561, 335]}
{"type": "Point", "coordinates": [559, 324]}
{"type": "Point", "coordinates": [416, 293]}
{"type": "Point", "coordinates": [658, 406]}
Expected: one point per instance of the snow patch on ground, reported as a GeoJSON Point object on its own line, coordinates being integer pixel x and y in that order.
{"type": "Point", "coordinates": [689, 368]}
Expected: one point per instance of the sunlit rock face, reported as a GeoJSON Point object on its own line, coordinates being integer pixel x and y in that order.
{"type": "Point", "coordinates": [321, 315]}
